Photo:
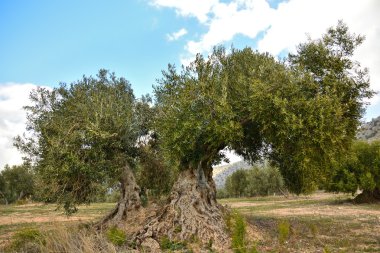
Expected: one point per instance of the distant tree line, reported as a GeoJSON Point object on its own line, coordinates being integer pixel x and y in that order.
{"type": "Point", "coordinates": [356, 171]}
{"type": "Point", "coordinates": [257, 181]}
{"type": "Point", "coordinates": [16, 183]}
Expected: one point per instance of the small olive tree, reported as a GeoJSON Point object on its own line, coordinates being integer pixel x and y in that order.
{"type": "Point", "coordinates": [359, 170]}
{"type": "Point", "coordinates": [16, 183]}
{"type": "Point", "coordinates": [84, 136]}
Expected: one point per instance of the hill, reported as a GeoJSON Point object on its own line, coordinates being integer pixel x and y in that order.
{"type": "Point", "coordinates": [370, 131]}
{"type": "Point", "coordinates": [220, 173]}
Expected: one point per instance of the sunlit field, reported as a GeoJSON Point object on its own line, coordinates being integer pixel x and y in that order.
{"type": "Point", "coordinates": [318, 223]}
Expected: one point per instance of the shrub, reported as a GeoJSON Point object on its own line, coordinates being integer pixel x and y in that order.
{"type": "Point", "coordinates": [167, 244]}
{"type": "Point", "coordinates": [27, 240]}
{"type": "Point", "coordinates": [222, 193]}
{"type": "Point", "coordinates": [237, 226]}
{"type": "Point", "coordinates": [238, 234]}
{"type": "Point", "coordinates": [116, 236]}
{"type": "Point", "coordinates": [358, 169]}
{"type": "Point", "coordinates": [16, 183]}
{"type": "Point", "coordinates": [283, 231]}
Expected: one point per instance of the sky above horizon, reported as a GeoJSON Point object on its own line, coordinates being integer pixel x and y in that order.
{"type": "Point", "coordinates": [43, 43]}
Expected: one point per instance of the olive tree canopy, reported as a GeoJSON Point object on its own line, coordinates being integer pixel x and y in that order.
{"type": "Point", "coordinates": [82, 136]}
{"type": "Point", "coordinates": [299, 114]}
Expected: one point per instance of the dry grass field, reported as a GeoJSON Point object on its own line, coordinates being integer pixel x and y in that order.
{"type": "Point", "coordinates": [14, 218]}
{"type": "Point", "coordinates": [318, 223]}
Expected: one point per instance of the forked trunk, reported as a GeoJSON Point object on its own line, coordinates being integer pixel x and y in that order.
{"type": "Point", "coordinates": [192, 213]}
{"type": "Point", "coordinates": [129, 199]}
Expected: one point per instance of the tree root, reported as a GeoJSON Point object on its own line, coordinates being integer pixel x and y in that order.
{"type": "Point", "coordinates": [192, 214]}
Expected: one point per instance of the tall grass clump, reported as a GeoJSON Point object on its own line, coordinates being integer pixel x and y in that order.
{"type": "Point", "coordinates": [238, 229]}
{"type": "Point", "coordinates": [61, 239]}
{"type": "Point", "coordinates": [167, 244]}
{"type": "Point", "coordinates": [283, 231]}
{"type": "Point", "coordinates": [64, 239]}
{"type": "Point", "coordinates": [26, 240]}
{"type": "Point", "coordinates": [116, 236]}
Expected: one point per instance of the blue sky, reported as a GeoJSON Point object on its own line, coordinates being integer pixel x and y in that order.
{"type": "Point", "coordinates": [48, 42]}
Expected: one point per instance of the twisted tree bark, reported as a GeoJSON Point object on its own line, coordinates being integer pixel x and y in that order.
{"type": "Point", "coordinates": [129, 199]}
{"type": "Point", "coordinates": [192, 213]}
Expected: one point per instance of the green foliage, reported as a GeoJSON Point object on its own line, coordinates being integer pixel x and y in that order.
{"type": "Point", "coordinates": [326, 250]}
{"type": "Point", "coordinates": [238, 233]}
{"type": "Point", "coordinates": [236, 225]}
{"type": "Point", "coordinates": [116, 236]}
{"type": "Point", "coordinates": [81, 137]}
{"type": "Point", "coordinates": [27, 239]}
{"type": "Point", "coordinates": [264, 181]}
{"type": "Point", "coordinates": [154, 175]}
{"type": "Point", "coordinates": [299, 114]}
{"type": "Point", "coordinates": [16, 183]}
{"type": "Point", "coordinates": [167, 244]}
{"type": "Point", "coordinates": [283, 231]}
{"type": "Point", "coordinates": [113, 196]}
{"type": "Point", "coordinates": [257, 181]}
{"type": "Point", "coordinates": [331, 103]}
{"type": "Point", "coordinates": [358, 169]}
{"type": "Point", "coordinates": [236, 183]}
{"type": "Point", "coordinates": [313, 229]}
{"type": "Point", "coordinates": [222, 193]}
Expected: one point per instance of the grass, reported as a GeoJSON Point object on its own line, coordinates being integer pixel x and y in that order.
{"type": "Point", "coordinates": [283, 231]}
{"type": "Point", "coordinates": [317, 223]}
{"type": "Point", "coordinates": [116, 236]}
{"type": "Point", "coordinates": [15, 218]}
{"type": "Point", "coordinates": [168, 245]}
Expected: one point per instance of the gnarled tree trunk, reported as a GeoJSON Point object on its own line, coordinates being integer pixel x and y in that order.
{"type": "Point", "coordinates": [4, 197]}
{"type": "Point", "coordinates": [368, 196]}
{"type": "Point", "coordinates": [192, 213]}
{"type": "Point", "coordinates": [129, 199]}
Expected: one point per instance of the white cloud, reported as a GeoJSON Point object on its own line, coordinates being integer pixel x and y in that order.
{"type": "Point", "coordinates": [191, 8]}
{"type": "Point", "coordinates": [283, 27]}
{"type": "Point", "coordinates": [232, 19]}
{"type": "Point", "coordinates": [12, 119]}
{"type": "Point", "coordinates": [296, 18]}
{"type": "Point", "coordinates": [176, 35]}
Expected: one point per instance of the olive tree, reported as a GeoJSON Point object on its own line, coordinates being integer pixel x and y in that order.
{"type": "Point", "coordinates": [237, 183]}
{"type": "Point", "coordinates": [358, 169]}
{"type": "Point", "coordinates": [83, 136]}
{"type": "Point", "coordinates": [16, 183]}
{"type": "Point", "coordinates": [299, 114]}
